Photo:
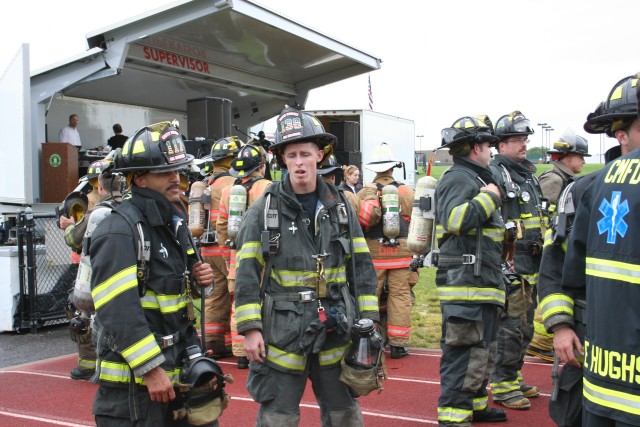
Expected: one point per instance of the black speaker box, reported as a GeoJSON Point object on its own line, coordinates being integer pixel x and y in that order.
{"type": "Point", "coordinates": [345, 158]}
{"type": "Point", "coordinates": [348, 134]}
{"type": "Point", "coordinates": [208, 118]}
{"type": "Point", "coordinates": [198, 148]}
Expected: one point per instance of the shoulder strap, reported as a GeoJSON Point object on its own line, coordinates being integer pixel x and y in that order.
{"type": "Point", "coordinates": [249, 183]}
{"type": "Point", "coordinates": [133, 216]}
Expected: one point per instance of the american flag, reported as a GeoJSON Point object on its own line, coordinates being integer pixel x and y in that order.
{"type": "Point", "coordinates": [370, 95]}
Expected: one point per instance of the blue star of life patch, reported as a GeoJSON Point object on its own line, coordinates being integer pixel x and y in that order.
{"type": "Point", "coordinates": [613, 222]}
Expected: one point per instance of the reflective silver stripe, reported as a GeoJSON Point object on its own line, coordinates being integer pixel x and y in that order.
{"type": "Point", "coordinates": [556, 304]}
{"type": "Point", "coordinates": [368, 303]}
{"type": "Point", "coordinates": [486, 202]}
{"type": "Point", "coordinates": [333, 356]}
{"type": "Point", "coordinates": [247, 312]}
{"type": "Point", "coordinates": [616, 270]}
{"type": "Point", "coordinates": [114, 286]}
{"type": "Point", "coordinates": [360, 245]}
{"type": "Point", "coordinates": [164, 303]}
{"type": "Point", "coordinates": [613, 399]}
{"type": "Point", "coordinates": [463, 293]}
{"type": "Point", "coordinates": [290, 361]}
{"type": "Point", "coordinates": [304, 278]}
{"type": "Point", "coordinates": [142, 351]}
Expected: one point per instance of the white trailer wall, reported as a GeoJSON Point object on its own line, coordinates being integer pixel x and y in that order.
{"type": "Point", "coordinates": [97, 119]}
{"type": "Point", "coordinates": [399, 133]}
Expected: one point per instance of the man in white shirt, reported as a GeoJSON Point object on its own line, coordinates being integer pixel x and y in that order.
{"type": "Point", "coordinates": [70, 133]}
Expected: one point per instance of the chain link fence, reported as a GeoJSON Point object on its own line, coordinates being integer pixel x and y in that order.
{"type": "Point", "coordinates": [46, 272]}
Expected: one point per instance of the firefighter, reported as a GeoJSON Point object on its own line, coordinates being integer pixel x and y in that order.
{"type": "Point", "coordinates": [602, 259]}
{"type": "Point", "coordinates": [567, 157]}
{"type": "Point", "coordinates": [524, 207]}
{"type": "Point", "coordinates": [303, 265]}
{"type": "Point", "coordinates": [143, 267]}
{"type": "Point", "coordinates": [247, 169]}
{"type": "Point", "coordinates": [470, 283]}
{"type": "Point", "coordinates": [391, 257]}
{"type": "Point", "coordinates": [217, 311]}
{"type": "Point", "coordinates": [74, 235]}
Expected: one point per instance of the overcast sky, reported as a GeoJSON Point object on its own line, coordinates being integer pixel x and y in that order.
{"type": "Point", "coordinates": [554, 60]}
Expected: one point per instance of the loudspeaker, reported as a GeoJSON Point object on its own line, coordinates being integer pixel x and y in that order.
{"type": "Point", "coordinates": [348, 134]}
{"type": "Point", "coordinates": [209, 118]}
{"type": "Point", "coordinates": [198, 148]}
{"type": "Point", "coordinates": [345, 158]}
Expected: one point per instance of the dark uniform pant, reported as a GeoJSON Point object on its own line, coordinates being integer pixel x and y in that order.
{"type": "Point", "coordinates": [279, 394]}
{"type": "Point", "coordinates": [115, 407]}
{"type": "Point", "coordinates": [468, 350]}
{"type": "Point", "coordinates": [589, 419]}
{"type": "Point", "coordinates": [514, 336]}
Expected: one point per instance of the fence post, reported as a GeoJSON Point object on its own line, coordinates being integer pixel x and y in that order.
{"type": "Point", "coordinates": [31, 269]}
{"type": "Point", "coordinates": [21, 270]}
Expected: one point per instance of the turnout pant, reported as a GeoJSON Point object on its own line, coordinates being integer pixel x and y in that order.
{"type": "Point", "coordinates": [468, 350]}
{"type": "Point", "coordinates": [399, 303]}
{"type": "Point", "coordinates": [279, 394]}
{"type": "Point", "coordinates": [514, 336]}
{"type": "Point", "coordinates": [115, 407]}
{"type": "Point", "coordinates": [217, 310]}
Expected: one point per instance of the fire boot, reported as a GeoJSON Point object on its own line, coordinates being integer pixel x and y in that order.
{"type": "Point", "coordinates": [490, 415]}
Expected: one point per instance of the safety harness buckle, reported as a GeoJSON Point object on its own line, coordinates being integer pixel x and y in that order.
{"type": "Point", "coordinates": [307, 296]}
{"type": "Point", "coordinates": [468, 259]}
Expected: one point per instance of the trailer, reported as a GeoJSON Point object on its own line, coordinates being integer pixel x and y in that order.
{"type": "Point", "coordinates": [360, 133]}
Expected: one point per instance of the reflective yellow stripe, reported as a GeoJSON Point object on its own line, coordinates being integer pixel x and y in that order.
{"type": "Point", "coordinates": [142, 351]}
{"type": "Point", "coordinates": [454, 222]}
{"type": "Point", "coordinates": [332, 356]}
{"type": "Point", "coordinates": [504, 387]}
{"type": "Point", "coordinates": [480, 403]}
{"type": "Point", "coordinates": [305, 278]}
{"type": "Point", "coordinates": [486, 201]}
{"type": "Point", "coordinates": [368, 303]}
{"type": "Point", "coordinates": [465, 293]}
{"type": "Point", "coordinates": [615, 270]}
{"type": "Point", "coordinates": [539, 329]}
{"type": "Point", "coordinates": [360, 245]}
{"type": "Point", "coordinates": [121, 373]}
{"type": "Point", "coordinates": [248, 312]}
{"type": "Point", "coordinates": [556, 304]}
{"type": "Point", "coordinates": [531, 278]}
{"type": "Point", "coordinates": [114, 286]}
{"type": "Point", "coordinates": [618, 400]}
{"type": "Point", "coordinates": [291, 361]}
{"type": "Point", "coordinates": [250, 250]}
{"type": "Point", "coordinates": [495, 234]}
{"type": "Point", "coordinates": [454, 415]}
{"type": "Point", "coordinates": [165, 303]}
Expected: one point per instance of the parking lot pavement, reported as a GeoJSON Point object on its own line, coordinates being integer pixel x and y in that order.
{"type": "Point", "coordinates": [49, 341]}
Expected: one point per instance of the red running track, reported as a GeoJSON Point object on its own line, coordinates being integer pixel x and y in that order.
{"type": "Point", "coordinates": [41, 394]}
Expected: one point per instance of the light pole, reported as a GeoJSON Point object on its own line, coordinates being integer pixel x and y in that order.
{"type": "Point", "coordinates": [549, 129]}
{"type": "Point", "coordinates": [542, 125]}
{"type": "Point", "coordinates": [424, 163]}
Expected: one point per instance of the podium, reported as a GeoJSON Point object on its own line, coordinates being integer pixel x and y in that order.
{"type": "Point", "coordinates": [59, 171]}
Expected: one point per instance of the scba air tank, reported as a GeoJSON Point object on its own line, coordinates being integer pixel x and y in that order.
{"type": "Point", "coordinates": [82, 287]}
{"type": "Point", "coordinates": [390, 213]}
{"type": "Point", "coordinates": [237, 208]}
{"type": "Point", "coordinates": [421, 227]}
{"type": "Point", "coordinates": [196, 208]}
